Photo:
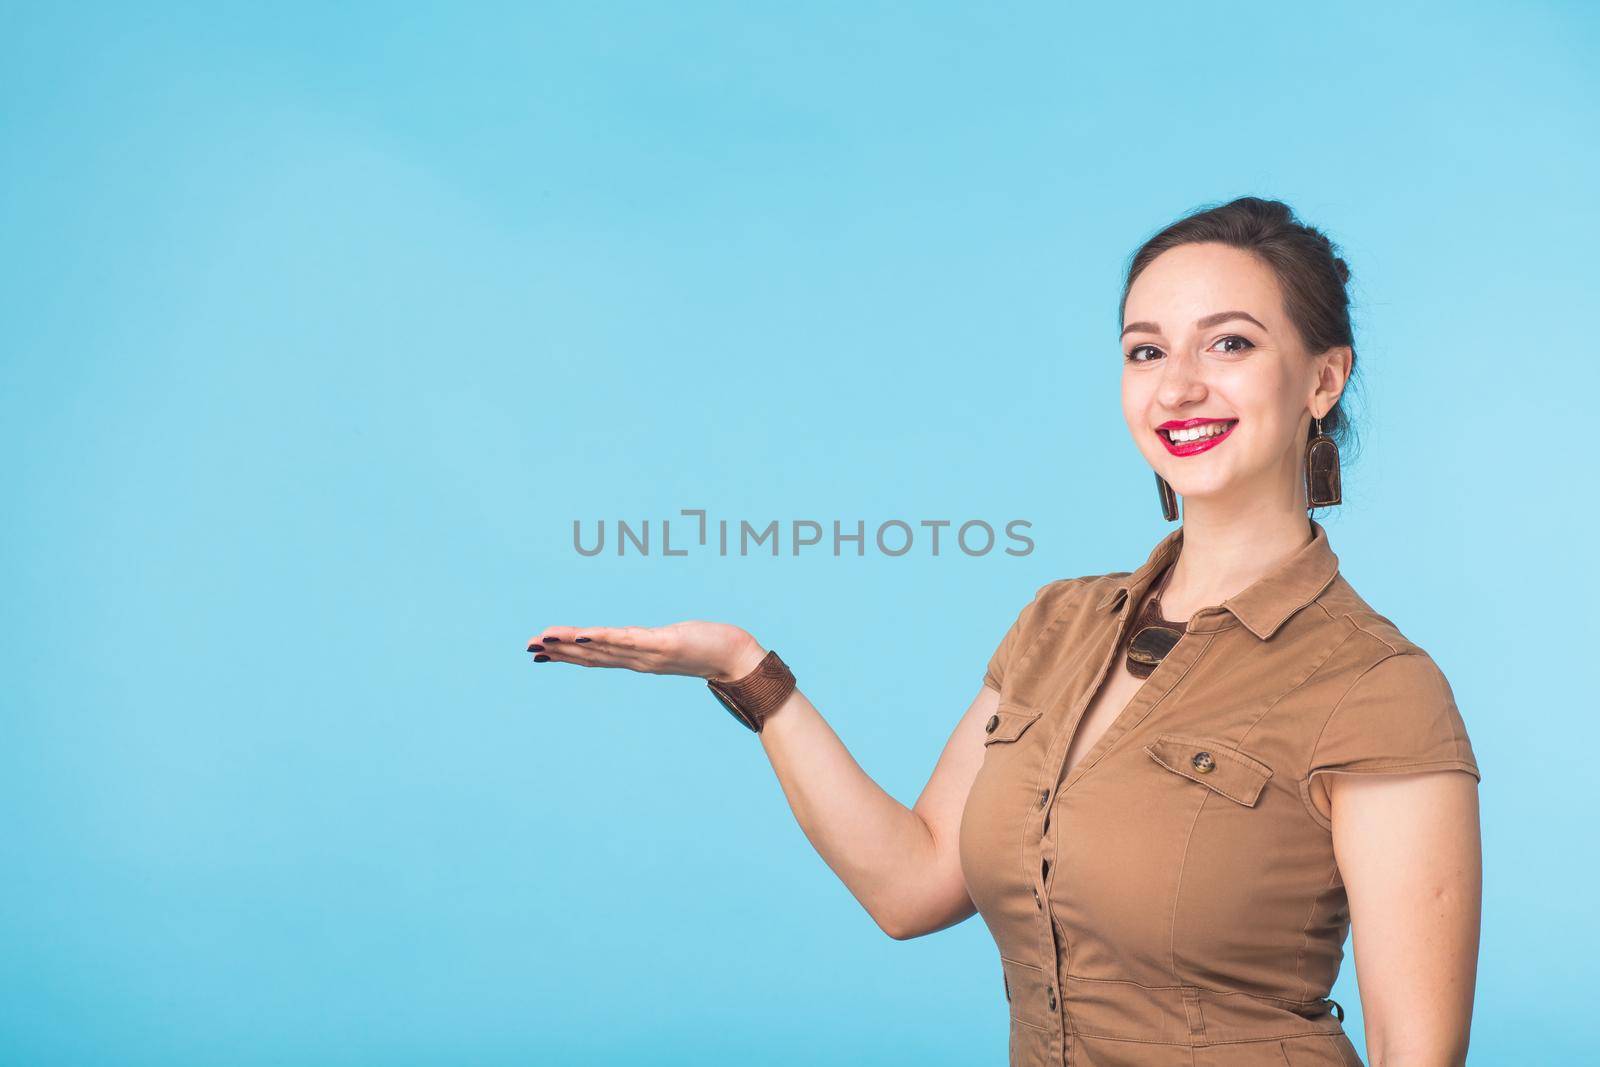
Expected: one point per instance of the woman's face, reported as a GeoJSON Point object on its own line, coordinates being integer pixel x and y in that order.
{"type": "Point", "coordinates": [1207, 346]}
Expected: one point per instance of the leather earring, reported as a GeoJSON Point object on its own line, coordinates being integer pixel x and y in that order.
{"type": "Point", "coordinates": [1322, 470]}
{"type": "Point", "coordinates": [1169, 499]}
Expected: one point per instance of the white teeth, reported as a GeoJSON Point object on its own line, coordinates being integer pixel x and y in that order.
{"type": "Point", "coordinates": [1194, 433]}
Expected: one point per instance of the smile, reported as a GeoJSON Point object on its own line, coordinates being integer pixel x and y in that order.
{"type": "Point", "coordinates": [1193, 436]}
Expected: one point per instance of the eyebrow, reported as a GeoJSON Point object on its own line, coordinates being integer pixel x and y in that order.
{"type": "Point", "coordinates": [1200, 324]}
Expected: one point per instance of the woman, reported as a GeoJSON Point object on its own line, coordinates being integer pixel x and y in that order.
{"type": "Point", "coordinates": [1178, 787]}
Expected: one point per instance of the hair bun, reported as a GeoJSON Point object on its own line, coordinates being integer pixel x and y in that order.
{"type": "Point", "coordinates": [1340, 268]}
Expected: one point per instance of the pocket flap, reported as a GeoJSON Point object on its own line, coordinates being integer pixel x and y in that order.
{"type": "Point", "coordinates": [1219, 767]}
{"type": "Point", "coordinates": [1008, 722]}
{"type": "Point", "coordinates": [1031, 995]}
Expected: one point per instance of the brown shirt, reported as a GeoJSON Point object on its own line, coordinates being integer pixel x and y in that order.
{"type": "Point", "coordinates": [1160, 906]}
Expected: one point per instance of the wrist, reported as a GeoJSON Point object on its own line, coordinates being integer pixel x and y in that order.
{"type": "Point", "coordinates": [747, 659]}
{"type": "Point", "coordinates": [758, 692]}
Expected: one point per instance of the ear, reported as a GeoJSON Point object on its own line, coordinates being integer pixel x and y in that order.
{"type": "Point", "coordinates": [1331, 374]}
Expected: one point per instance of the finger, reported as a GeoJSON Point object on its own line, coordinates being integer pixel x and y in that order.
{"type": "Point", "coordinates": [619, 638]}
{"type": "Point", "coordinates": [640, 639]}
{"type": "Point", "coordinates": [580, 648]}
{"type": "Point", "coordinates": [611, 637]}
{"type": "Point", "coordinates": [555, 635]}
{"type": "Point", "coordinates": [587, 655]}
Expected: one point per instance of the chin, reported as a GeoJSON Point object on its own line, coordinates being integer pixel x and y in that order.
{"type": "Point", "coordinates": [1198, 488]}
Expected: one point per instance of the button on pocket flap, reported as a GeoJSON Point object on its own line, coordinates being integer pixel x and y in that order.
{"type": "Point", "coordinates": [1008, 722]}
{"type": "Point", "coordinates": [1220, 768]}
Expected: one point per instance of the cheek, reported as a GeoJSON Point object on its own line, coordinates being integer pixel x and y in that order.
{"type": "Point", "coordinates": [1259, 400]}
{"type": "Point", "coordinates": [1135, 398]}
{"type": "Point", "coordinates": [1268, 439]}
{"type": "Point", "coordinates": [1136, 417]}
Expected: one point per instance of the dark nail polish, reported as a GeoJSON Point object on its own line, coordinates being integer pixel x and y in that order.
{"type": "Point", "coordinates": [541, 659]}
{"type": "Point", "coordinates": [551, 640]}
{"type": "Point", "coordinates": [535, 648]}
{"type": "Point", "coordinates": [581, 640]}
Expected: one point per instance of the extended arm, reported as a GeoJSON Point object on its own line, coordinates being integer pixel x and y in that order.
{"type": "Point", "coordinates": [901, 863]}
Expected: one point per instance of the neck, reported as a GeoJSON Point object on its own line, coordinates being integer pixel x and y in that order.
{"type": "Point", "coordinates": [1227, 550]}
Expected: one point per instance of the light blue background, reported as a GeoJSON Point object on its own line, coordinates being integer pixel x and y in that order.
{"type": "Point", "coordinates": [321, 324]}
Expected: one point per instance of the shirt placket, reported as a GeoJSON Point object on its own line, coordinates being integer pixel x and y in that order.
{"type": "Point", "coordinates": [1038, 837]}
{"type": "Point", "coordinates": [1050, 933]}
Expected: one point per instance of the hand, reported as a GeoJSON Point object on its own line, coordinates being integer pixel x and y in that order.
{"type": "Point", "coordinates": [694, 648]}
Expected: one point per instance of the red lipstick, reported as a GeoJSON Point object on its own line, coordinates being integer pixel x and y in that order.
{"type": "Point", "coordinates": [1192, 448]}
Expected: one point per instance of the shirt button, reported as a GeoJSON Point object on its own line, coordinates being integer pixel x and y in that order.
{"type": "Point", "coordinates": [988, 727]}
{"type": "Point", "coordinates": [1044, 797]}
{"type": "Point", "coordinates": [1203, 762]}
{"type": "Point", "coordinates": [1036, 901]}
{"type": "Point", "coordinates": [1052, 998]}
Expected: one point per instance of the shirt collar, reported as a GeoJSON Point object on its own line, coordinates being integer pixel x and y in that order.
{"type": "Point", "coordinates": [1265, 604]}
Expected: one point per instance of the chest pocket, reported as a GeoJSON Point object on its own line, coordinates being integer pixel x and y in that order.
{"type": "Point", "coordinates": [1221, 768]}
{"type": "Point", "coordinates": [1008, 723]}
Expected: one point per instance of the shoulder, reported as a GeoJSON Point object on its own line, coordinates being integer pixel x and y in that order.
{"type": "Point", "coordinates": [1393, 708]}
{"type": "Point", "coordinates": [1373, 636]}
{"type": "Point", "coordinates": [1062, 595]}
{"type": "Point", "coordinates": [1060, 591]}
{"type": "Point", "coordinates": [1058, 601]}
{"type": "Point", "coordinates": [1049, 601]}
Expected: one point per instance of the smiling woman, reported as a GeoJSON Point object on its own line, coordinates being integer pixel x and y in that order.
{"type": "Point", "coordinates": [1178, 787]}
{"type": "Point", "coordinates": [1155, 844]}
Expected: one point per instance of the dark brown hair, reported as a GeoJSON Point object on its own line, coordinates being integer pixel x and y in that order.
{"type": "Point", "coordinates": [1310, 272]}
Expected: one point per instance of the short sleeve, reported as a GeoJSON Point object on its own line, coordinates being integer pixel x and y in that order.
{"type": "Point", "coordinates": [1399, 716]}
{"type": "Point", "coordinates": [1025, 626]}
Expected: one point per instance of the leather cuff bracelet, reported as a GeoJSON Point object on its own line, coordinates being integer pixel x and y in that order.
{"type": "Point", "coordinates": [758, 694]}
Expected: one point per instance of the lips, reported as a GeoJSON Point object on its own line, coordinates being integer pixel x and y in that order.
{"type": "Point", "coordinates": [1194, 447]}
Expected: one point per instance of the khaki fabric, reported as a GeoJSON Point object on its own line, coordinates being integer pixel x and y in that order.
{"type": "Point", "coordinates": [1152, 913]}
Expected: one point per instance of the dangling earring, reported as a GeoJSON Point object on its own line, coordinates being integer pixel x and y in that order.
{"type": "Point", "coordinates": [1322, 470]}
{"type": "Point", "coordinates": [1169, 499]}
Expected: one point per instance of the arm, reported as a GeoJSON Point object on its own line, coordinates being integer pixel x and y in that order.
{"type": "Point", "coordinates": [901, 863]}
{"type": "Point", "coordinates": [1408, 848]}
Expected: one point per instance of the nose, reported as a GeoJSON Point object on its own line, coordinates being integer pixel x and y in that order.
{"type": "Point", "coordinates": [1181, 384]}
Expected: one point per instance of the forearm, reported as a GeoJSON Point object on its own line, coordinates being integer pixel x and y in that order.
{"type": "Point", "coordinates": [874, 843]}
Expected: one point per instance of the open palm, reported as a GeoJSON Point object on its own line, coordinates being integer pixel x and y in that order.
{"type": "Point", "coordinates": [694, 647]}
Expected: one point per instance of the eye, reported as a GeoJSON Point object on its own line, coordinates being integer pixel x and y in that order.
{"type": "Point", "coordinates": [1244, 342]}
{"type": "Point", "coordinates": [1133, 355]}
